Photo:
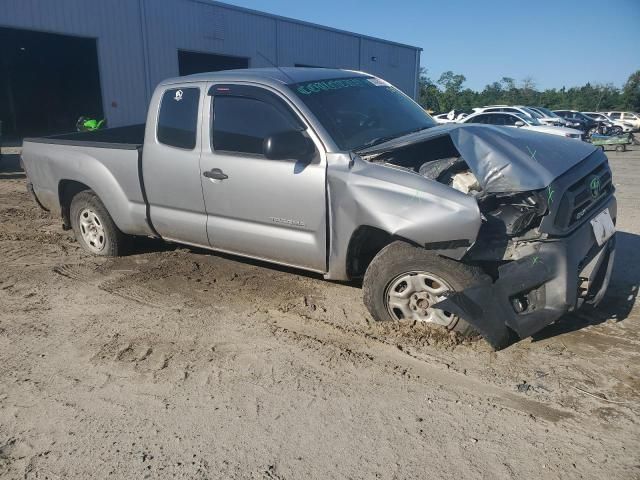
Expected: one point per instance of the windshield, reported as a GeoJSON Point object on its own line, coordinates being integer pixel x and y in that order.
{"type": "Point", "coordinates": [582, 116]}
{"type": "Point", "coordinates": [531, 112]}
{"type": "Point", "coordinates": [527, 119]}
{"type": "Point", "coordinates": [547, 112]}
{"type": "Point", "coordinates": [360, 112]}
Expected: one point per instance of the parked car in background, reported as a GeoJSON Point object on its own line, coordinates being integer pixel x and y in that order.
{"type": "Point", "coordinates": [444, 118]}
{"type": "Point", "coordinates": [518, 120]}
{"type": "Point", "coordinates": [506, 108]}
{"type": "Point", "coordinates": [603, 118]}
{"type": "Point", "coordinates": [548, 117]}
{"type": "Point", "coordinates": [577, 120]}
{"type": "Point", "coordinates": [627, 117]}
{"type": "Point", "coordinates": [450, 117]}
{"type": "Point", "coordinates": [528, 111]}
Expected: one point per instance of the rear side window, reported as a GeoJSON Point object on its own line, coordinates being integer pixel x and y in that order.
{"type": "Point", "coordinates": [178, 118]}
{"type": "Point", "coordinates": [511, 120]}
{"type": "Point", "coordinates": [479, 119]}
{"type": "Point", "coordinates": [240, 124]}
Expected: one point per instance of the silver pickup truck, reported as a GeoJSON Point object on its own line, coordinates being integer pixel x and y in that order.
{"type": "Point", "coordinates": [472, 227]}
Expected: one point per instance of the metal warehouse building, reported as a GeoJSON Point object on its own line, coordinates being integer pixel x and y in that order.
{"type": "Point", "coordinates": [65, 58]}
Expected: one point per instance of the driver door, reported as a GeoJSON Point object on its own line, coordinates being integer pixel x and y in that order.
{"type": "Point", "coordinates": [273, 210]}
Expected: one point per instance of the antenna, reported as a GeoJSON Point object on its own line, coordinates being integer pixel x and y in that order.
{"type": "Point", "coordinates": [275, 66]}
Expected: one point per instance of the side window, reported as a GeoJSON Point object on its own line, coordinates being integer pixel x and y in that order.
{"type": "Point", "coordinates": [478, 119]}
{"type": "Point", "coordinates": [498, 119]}
{"type": "Point", "coordinates": [511, 120]}
{"type": "Point", "coordinates": [615, 116]}
{"type": "Point", "coordinates": [240, 124]}
{"type": "Point", "coordinates": [178, 117]}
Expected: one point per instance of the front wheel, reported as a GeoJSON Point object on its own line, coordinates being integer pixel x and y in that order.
{"type": "Point", "coordinates": [94, 228]}
{"type": "Point", "coordinates": [404, 282]}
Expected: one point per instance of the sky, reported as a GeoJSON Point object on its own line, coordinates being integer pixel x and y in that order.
{"type": "Point", "coordinates": [557, 43]}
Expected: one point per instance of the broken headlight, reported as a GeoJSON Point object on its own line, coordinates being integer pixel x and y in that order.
{"type": "Point", "coordinates": [513, 214]}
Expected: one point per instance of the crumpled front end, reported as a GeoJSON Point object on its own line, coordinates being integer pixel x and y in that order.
{"type": "Point", "coordinates": [538, 196]}
{"type": "Point", "coordinates": [549, 279]}
{"type": "Point", "coordinates": [552, 269]}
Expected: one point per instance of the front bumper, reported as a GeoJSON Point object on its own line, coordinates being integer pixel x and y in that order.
{"type": "Point", "coordinates": [551, 278]}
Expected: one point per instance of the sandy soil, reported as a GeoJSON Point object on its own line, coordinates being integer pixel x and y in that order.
{"type": "Point", "coordinates": [180, 363]}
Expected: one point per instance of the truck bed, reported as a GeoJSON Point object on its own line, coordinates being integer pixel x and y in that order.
{"type": "Point", "coordinates": [130, 137]}
{"type": "Point", "coordinates": [108, 161]}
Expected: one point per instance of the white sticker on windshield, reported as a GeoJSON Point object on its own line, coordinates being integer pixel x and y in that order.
{"type": "Point", "coordinates": [378, 82]}
{"type": "Point", "coordinates": [178, 96]}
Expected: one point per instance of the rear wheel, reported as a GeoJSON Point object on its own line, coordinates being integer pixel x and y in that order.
{"type": "Point", "coordinates": [94, 228]}
{"type": "Point", "coordinates": [404, 282]}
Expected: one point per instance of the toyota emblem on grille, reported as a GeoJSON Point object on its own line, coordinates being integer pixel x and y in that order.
{"type": "Point", "coordinates": [594, 186]}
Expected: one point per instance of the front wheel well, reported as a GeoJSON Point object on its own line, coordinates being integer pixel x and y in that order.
{"type": "Point", "coordinates": [67, 189]}
{"type": "Point", "coordinates": [364, 245]}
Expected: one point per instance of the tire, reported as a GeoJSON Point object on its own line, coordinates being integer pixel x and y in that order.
{"type": "Point", "coordinates": [94, 228]}
{"type": "Point", "coordinates": [388, 271]}
{"type": "Point", "coordinates": [621, 148]}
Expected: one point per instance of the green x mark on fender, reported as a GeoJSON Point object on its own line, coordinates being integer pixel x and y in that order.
{"type": "Point", "coordinates": [550, 193]}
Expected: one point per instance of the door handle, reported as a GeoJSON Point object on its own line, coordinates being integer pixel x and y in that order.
{"type": "Point", "coordinates": [216, 174]}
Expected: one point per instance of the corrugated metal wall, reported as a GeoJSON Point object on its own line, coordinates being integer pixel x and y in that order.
{"type": "Point", "coordinates": [116, 26]}
{"type": "Point", "coordinates": [126, 29]}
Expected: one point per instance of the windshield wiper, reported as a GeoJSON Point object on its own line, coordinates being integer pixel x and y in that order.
{"type": "Point", "coordinates": [419, 129]}
{"type": "Point", "coordinates": [380, 140]}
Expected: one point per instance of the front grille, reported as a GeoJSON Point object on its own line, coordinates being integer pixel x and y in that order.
{"type": "Point", "coordinates": [582, 196]}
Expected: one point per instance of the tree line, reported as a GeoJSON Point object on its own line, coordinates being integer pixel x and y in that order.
{"type": "Point", "coordinates": [449, 92]}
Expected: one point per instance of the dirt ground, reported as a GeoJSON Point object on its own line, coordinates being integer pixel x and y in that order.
{"type": "Point", "coordinates": [181, 363]}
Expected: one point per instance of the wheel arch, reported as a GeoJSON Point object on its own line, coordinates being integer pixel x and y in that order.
{"type": "Point", "coordinates": [67, 189]}
{"type": "Point", "coordinates": [365, 243]}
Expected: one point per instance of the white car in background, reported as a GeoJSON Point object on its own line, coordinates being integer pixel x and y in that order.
{"type": "Point", "coordinates": [548, 117]}
{"type": "Point", "coordinates": [518, 120]}
{"type": "Point", "coordinates": [450, 117]}
{"type": "Point", "coordinates": [601, 117]}
{"type": "Point", "coordinates": [626, 117]}
{"type": "Point", "coordinates": [522, 110]}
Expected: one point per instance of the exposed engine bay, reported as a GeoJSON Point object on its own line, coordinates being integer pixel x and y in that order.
{"type": "Point", "coordinates": [506, 216]}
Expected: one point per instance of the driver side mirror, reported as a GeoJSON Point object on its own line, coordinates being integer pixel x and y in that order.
{"type": "Point", "coordinates": [292, 145]}
{"type": "Point", "coordinates": [519, 123]}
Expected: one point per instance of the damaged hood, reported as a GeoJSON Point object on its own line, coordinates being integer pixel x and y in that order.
{"type": "Point", "coordinates": [502, 159]}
